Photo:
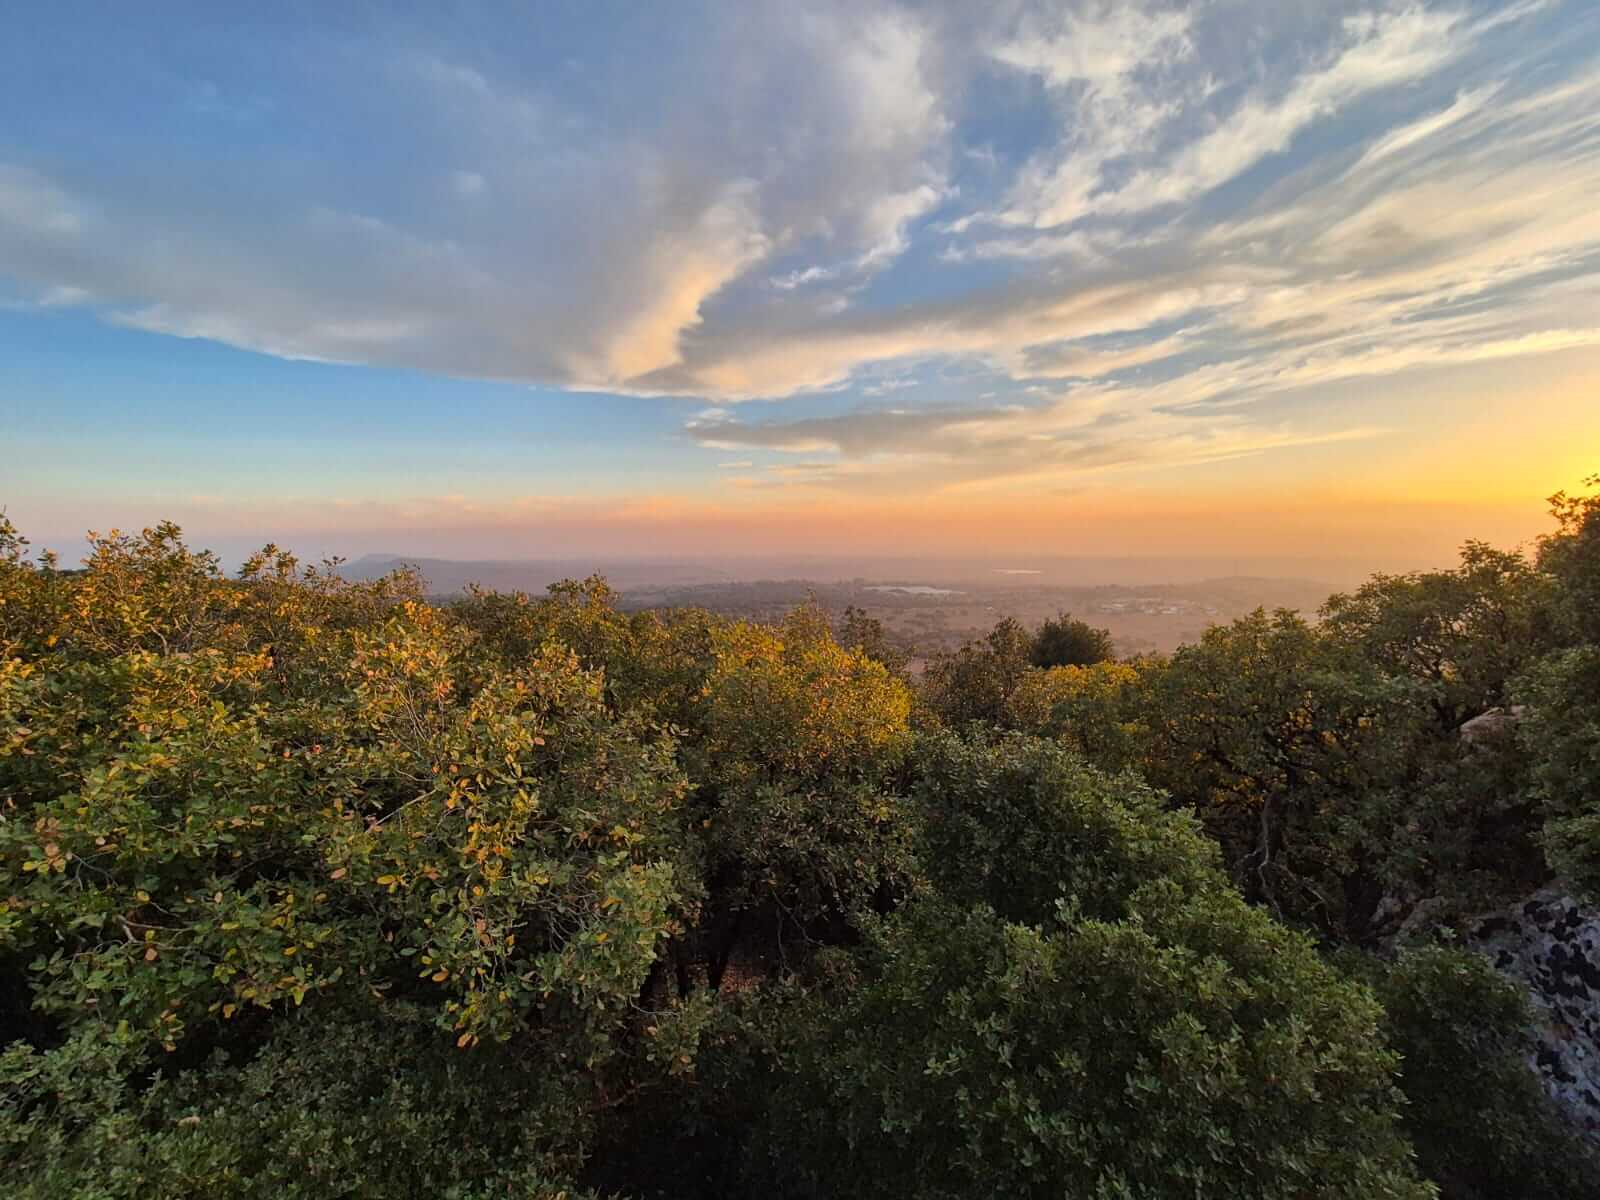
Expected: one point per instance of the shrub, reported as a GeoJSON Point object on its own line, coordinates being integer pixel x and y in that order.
{"type": "Point", "coordinates": [1562, 735]}
{"type": "Point", "coordinates": [302, 1118]}
{"type": "Point", "coordinates": [1481, 1122]}
{"type": "Point", "coordinates": [1089, 1011]}
{"type": "Point", "coordinates": [1087, 708]}
{"type": "Point", "coordinates": [973, 684]}
{"type": "Point", "coordinates": [1018, 823]}
{"type": "Point", "coordinates": [1065, 641]}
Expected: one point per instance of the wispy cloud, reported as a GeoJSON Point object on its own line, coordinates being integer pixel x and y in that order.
{"type": "Point", "coordinates": [1159, 216]}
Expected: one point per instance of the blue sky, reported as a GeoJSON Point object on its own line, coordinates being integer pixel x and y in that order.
{"type": "Point", "coordinates": [568, 274]}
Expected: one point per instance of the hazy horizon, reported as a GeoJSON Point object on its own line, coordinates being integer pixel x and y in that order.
{"type": "Point", "coordinates": [641, 568]}
{"type": "Point", "coordinates": [1040, 570]}
{"type": "Point", "coordinates": [807, 555]}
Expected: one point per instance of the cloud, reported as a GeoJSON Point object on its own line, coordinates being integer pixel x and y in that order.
{"type": "Point", "coordinates": [31, 204]}
{"type": "Point", "coordinates": [1080, 360]}
{"type": "Point", "coordinates": [681, 271]}
{"type": "Point", "coordinates": [997, 325]}
{"type": "Point", "coordinates": [599, 248]}
{"type": "Point", "coordinates": [1129, 95]}
{"type": "Point", "coordinates": [1191, 210]}
{"type": "Point", "coordinates": [1098, 45]}
{"type": "Point", "coordinates": [1466, 104]}
{"type": "Point", "coordinates": [853, 435]}
{"type": "Point", "coordinates": [1110, 69]}
{"type": "Point", "coordinates": [886, 220]}
{"type": "Point", "coordinates": [1075, 433]}
{"type": "Point", "coordinates": [1383, 50]}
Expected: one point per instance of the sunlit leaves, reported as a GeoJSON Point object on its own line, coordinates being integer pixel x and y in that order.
{"type": "Point", "coordinates": [222, 797]}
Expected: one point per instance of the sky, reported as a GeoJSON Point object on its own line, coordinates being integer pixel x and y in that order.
{"type": "Point", "coordinates": [1227, 277]}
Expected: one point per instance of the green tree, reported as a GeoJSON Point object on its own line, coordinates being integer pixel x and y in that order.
{"type": "Point", "coordinates": [1065, 641]}
{"type": "Point", "coordinates": [1091, 709]}
{"type": "Point", "coordinates": [1562, 727]}
{"type": "Point", "coordinates": [1561, 732]}
{"type": "Point", "coordinates": [1571, 556]}
{"type": "Point", "coordinates": [1480, 1119]}
{"type": "Point", "coordinates": [1463, 635]}
{"type": "Point", "coordinates": [303, 1118]}
{"type": "Point", "coordinates": [799, 738]}
{"type": "Point", "coordinates": [1295, 753]}
{"type": "Point", "coordinates": [859, 631]}
{"type": "Point", "coordinates": [974, 683]}
{"type": "Point", "coordinates": [1124, 1026]}
{"type": "Point", "coordinates": [1016, 823]}
{"type": "Point", "coordinates": [654, 663]}
{"type": "Point", "coordinates": [230, 806]}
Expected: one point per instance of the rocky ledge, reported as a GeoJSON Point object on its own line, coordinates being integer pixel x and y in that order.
{"type": "Point", "coordinates": [1550, 943]}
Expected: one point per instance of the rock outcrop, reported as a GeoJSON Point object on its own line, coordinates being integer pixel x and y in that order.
{"type": "Point", "coordinates": [1550, 944]}
{"type": "Point", "coordinates": [1497, 722]}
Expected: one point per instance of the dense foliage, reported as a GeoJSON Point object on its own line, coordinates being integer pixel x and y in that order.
{"type": "Point", "coordinates": [318, 888]}
{"type": "Point", "coordinates": [1563, 695]}
{"type": "Point", "coordinates": [1065, 641]}
{"type": "Point", "coordinates": [1478, 1117]}
{"type": "Point", "coordinates": [1080, 1005]}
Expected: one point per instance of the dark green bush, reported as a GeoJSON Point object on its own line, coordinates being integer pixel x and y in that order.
{"type": "Point", "coordinates": [1478, 1116]}
{"type": "Point", "coordinates": [1562, 735]}
{"type": "Point", "coordinates": [1123, 1025]}
{"type": "Point", "coordinates": [1017, 823]}
{"type": "Point", "coordinates": [327, 1107]}
{"type": "Point", "coordinates": [1065, 641]}
{"type": "Point", "coordinates": [1190, 1049]}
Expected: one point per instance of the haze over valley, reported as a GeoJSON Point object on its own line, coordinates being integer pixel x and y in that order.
{"type": "Point", "coordinates": [928, 606]}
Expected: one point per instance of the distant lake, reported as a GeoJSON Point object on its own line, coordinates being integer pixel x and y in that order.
{"type": "Point", "coordinates": [912, 589]}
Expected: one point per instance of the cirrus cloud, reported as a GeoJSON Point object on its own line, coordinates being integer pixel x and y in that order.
{"type": "Point", "coordinates": [1136, 223]}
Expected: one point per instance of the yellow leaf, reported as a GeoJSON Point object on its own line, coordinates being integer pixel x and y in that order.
{"type": "Point", "coordinates": [440, 976]}
{"type": "Point", "coordinates": [387, 880]}
{"type": "Point", "coordinates": [288, 950]}
{"type": "Point", "coordinates": [228, 1010]}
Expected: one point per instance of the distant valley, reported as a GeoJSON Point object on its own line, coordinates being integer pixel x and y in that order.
{"type": "Point", "coordinates": [927, 606]}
